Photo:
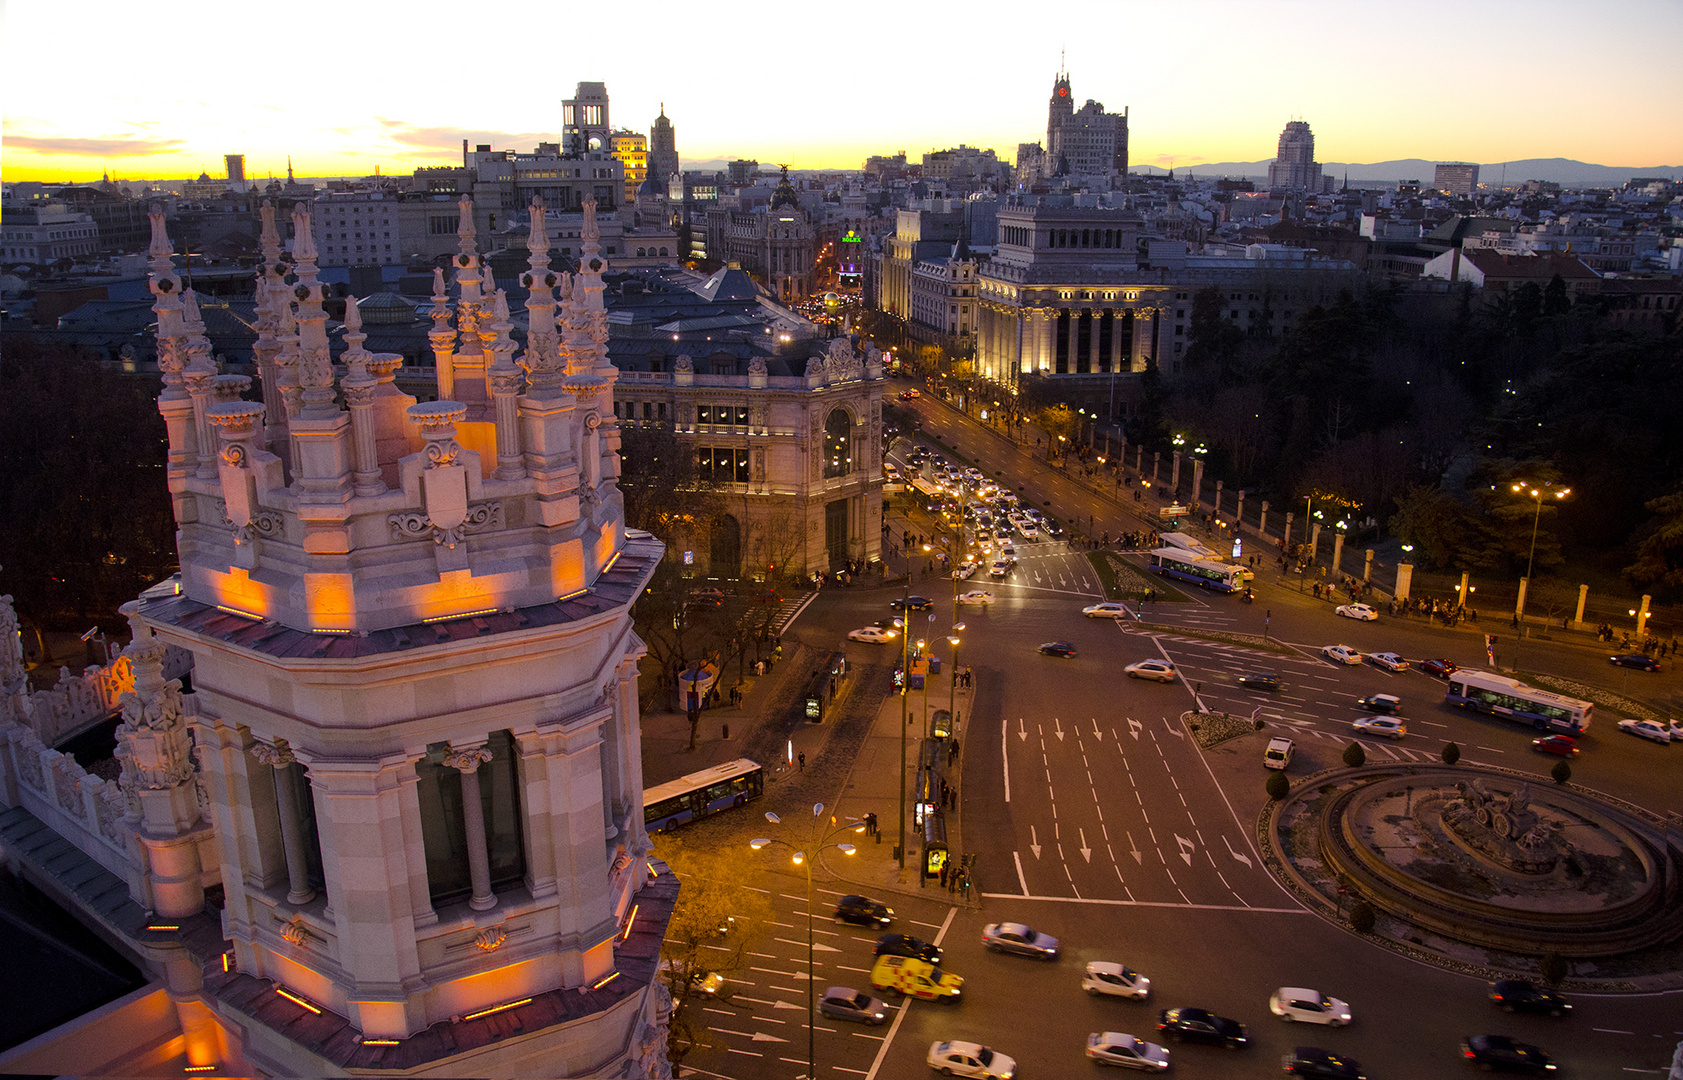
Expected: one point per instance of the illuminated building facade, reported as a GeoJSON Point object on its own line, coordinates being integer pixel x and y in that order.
{"type": "Point", "coordinates": [410, 762]}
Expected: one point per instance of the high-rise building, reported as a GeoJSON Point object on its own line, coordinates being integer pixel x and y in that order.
{"type": "Point", "coordinates": [1294, 167]}
{"type": "Point", "coordinates": [396, 824]}
{"type": "Point", "coordinates": [236, 171]}
{"type": "Point", "coordinates": [1456, 178]}
{"type": "Point", "coordinates": [663, 149]}
{"type": "Point", "coordinates": [631, 149]}
{"type": "Point", "coordinates": [584, 119]}
{"type": "Point", "coordinates": [1084, 142]}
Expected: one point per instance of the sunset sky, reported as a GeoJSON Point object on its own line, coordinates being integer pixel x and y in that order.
{"type": "Point", "coordinates": [148, 93]}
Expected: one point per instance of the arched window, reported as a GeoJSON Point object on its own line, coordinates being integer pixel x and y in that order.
{"type": "Point", "coordinates": [663, 252]}
{"type": "Point", "coordinates": [838, 444]}
{"type": "Point", "coordinates": [640, 253]}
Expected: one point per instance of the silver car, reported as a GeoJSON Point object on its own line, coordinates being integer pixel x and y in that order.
{"type": "Point", "coordinates": [1115, 1048]}
{"type": "Point", "coordinates": [846, 1003]}
{"type": "Point", "coordinates": [1016, 938]}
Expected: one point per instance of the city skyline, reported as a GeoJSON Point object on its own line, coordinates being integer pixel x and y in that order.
{"type": "Point", "coordinates": [1222, 99]}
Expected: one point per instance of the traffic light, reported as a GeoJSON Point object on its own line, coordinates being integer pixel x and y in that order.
{"type": "Point", "coordinates": [1490, 641]}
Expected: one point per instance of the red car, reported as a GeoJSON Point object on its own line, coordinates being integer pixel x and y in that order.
{"type": "Point", "coordinates": [1562, 745]}
{"type": "Point", "coordinates": [1443, 669]}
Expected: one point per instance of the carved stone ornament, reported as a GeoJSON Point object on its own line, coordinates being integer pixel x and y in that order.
{"type": "Point", "coordinates": [468, 760]}
{"type": "Point", "coordinates": [296, 932]}
{"type": "Point", "coordinates": [264, 523]}
{"type": "Point", "coordinates": [152, 742]}
{"type": "Point", "coordinates": [489, 939]}
{"type": "Point", "coordinates": [684, 364]}
{"type": "Point", "coordinates": [757, 365]}
{"type": "Point", "coordinates": [415, 525]}
{"type": "Point", "coordinates": [278, 755]}
{"type": "Point", "coordinates": [437, 420]}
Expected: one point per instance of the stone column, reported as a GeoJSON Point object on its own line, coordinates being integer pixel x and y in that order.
{"type": "Point", "coordinates": [1197, 481]}
{"type": "Point", "coordinates": [1261, 519]}
{"type": "Point", "coordinates": [1461, 593]}
{"type": "Point", "coordinates": [1367, 565]}
{"type": "Point", "coordinates": [467, 762]}
{"type": "Point", "coordinates": [358, 387]}
{"type": "Point", "coordinates": [291, 820]}
{"type": "Point", "coordinates": [1337, 554]}
{"type": "Point", "coordinates": [1285, 537]}
{"type": "Point", "coordinates": [1405, 579]}
{"type": "Point", "coordinates": [1139, 459]}
{"type": "Point", "coordinates": [1583, 598]}
{"type": "Point", "coordinates": [1156, 461]}
{"type": "Point", "coordinates": [1174, 475]}
{"type": "Point", "coordinates": [1238, 513]}
{"type": "Point", "coordinates": [1314, 542]}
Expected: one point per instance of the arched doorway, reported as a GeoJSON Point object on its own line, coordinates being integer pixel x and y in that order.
{"type": "Point", "coordinates": [838, 444]}
{"type": "Point", "coordinates": [724, 557]}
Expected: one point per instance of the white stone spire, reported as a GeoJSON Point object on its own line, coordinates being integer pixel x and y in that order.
{"type": "Point", "coordinates": [542, 358]}
{"type": "Point", "coordinates": [442, 336]}
{"type": "Point", "coordinates": [315, 364]}
{"type": "Point", "coordinates": [271, 303]}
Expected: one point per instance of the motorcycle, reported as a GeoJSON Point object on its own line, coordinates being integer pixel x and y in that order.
{"type": "Point", "coordinates": [1247, 597]}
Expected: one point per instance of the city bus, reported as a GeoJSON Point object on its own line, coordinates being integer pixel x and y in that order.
{"type": "Point", "coordinates": [1499, 695]}
{"type": "Point", "coordinates": [929, 496]}
{"type": "Point", "coordinates": [668, 805]}
{"type": "Point", "coordinates": [1205, 573]}
{"type": "Point", "coordinates": [1187, 543]}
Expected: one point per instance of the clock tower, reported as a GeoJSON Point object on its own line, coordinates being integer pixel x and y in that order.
{"type": "Point", "coordinates": [1058, 115]}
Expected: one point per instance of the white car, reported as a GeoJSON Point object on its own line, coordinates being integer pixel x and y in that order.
{"type": "Point", "coordinates": [970, 1059]}
{"type": "Point", "coordinates": [1341, 654]}
{"type": "Point", "coordinates": [1161, 670]}
{"type": "Point", "coordinates": [874, 634]}
{"type": "Point", "coordinates": [1390, 661]}
{"type": "Point", "coordinates": [1648, 729]}
{"type": "Point", "coordinates": [1388, 726]}
{"type": "Point", "coordinates": [1357, 611]}
{"type": "Point", "coordinates": [1115, 1048]}
{"type": "Point", "coordinates": [1028, 530]}
{"type": "Point", "coordinates": [1115, 980]}
{"type": "Point", "coordinates": [1308, 1006]}
{"type": "Point", "coordinates": [1278, 755]}
{"type": "Point", "coordinates": [1000, 569]}
{"type": "Point", "coordinates": [965, 569]}
{"type": "Point", "coordinates": [976, 596]}
{"type": "Point", "coordinates": [1109, 610]}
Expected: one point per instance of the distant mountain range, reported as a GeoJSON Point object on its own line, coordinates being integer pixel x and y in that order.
{"type": "Point", "coordinates": [1553, 170]}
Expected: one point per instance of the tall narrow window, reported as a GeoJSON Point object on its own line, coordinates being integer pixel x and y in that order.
{"type": "Point", "coordinates": [838, 450]}
{"type": "Point", "coordinates": [443, 828]}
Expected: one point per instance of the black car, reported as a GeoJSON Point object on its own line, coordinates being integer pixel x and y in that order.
{"type": "Point", "coordinates": [1322, 1064]}
{"type": "Point", "coordinates": [1260, 680]}
{"type": "Point", "coordinates": [1053, 529]}
{"type": "Point", "coordinates": [1202, 1025]}
{"type": "Point", "coordinates": [863, 911]}
{"type": "Point", "coordinates": [906, 945]}
{"type": "Point", "coordinates": [911, 603]}
{"type": "Point", "coordinates": [1635, 660]}
{"type": "Point", "coordinates": [1058, 648]}
{"type": "Point", "coordinates": [1501, 1052]}
{"type": "Point", "coordinates": [1517, 995]}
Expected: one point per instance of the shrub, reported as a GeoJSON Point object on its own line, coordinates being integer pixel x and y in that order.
{"type": "Point", "coordinates": [1362, 917]}
{"type": "Point", "coordinates": [1356, 757]}
{"type": "Point", "coordinates": [1278, 787]}
{"type": "Point", "coordinates": [1451, 753]}
{"type": "Point", "coordinates": [1561, 772]}
{"type": "Point", "coordinates": [1553, 967]}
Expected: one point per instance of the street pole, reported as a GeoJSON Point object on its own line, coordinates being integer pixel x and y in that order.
{"type": "Point", "coordinates": [905, 720]}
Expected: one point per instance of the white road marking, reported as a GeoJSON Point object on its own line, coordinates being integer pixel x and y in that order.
{"type": "Point", "coordinates": [1022, 881]}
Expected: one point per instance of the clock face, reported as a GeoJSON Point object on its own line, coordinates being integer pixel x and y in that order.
{"type": "Point", "coordinates": [1063, 91]}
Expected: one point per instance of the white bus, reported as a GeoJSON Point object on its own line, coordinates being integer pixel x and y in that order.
{"type": "Point", "coordinates": [1186, 543]}
{"type": "Point", "coordinates": [1205, 573]}
{"type": "Point", "coordinates": [1499, 695]}
{"type": "Point", "coordinates": [668, 805]}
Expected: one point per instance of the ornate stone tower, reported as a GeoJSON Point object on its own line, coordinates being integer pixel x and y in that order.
{"type": "Point", "coordinates": [414, 698]}
{"type": "Point", "coordinates": [1059, 111]}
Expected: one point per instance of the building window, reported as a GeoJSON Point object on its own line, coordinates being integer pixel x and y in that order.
{"type": "Point", "coordinates": [443, 832]}
{"type": "Point", "coordinates": [722, 464]}
{"type": "Point", "coordinates": [838, 444]}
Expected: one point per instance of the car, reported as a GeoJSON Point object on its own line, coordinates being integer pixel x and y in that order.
{"type": "Point", "coordinates": [863, 911]}
{"type": "Point", "coordinates": [891, 473]}
{"type": "Point", "coordinates": [1381, 703]}
{"type": "Point", "coordinates": [911, 603]}
{"type": "Point", "coordinates": [1202, 1025]}
{"type": "Point", "coordinates": [1562, 745]}
{"type": "Point", "coordinates": [1321, 1064]}
{"type": "Point", "coordinates": [1260, 680]}
{"type": "Point", "coordinates": [1057, 648]}
{"type": "Point", "coordinates": [1388, 726]}
{"type": "Point", "coordinates": [1443, 669]}
{"type": "Point", "coordinates": [1360, 612]}
{"type": "Point", "coordinates": [906, 945]}
{"type": "Point", "coordinates": [1029, 530]}
{"type": "Point", "coordinates": [1011, 937]}
{"type": "Point", "coordinates": [874, 634]}
{"type": "Point", "coordinates": [1390, 661]}
{"type": "Point", "coordinates": [1278, 754]}
{"type": "Point", "coordinates": [966, 568]}
{"type": "Point", "coordinates": [970, 1059]}
{"type": "Point", "coordinates": [976, 596]}
{"type": "Point", "coordinates": [1053, 529]}
{"type": "Point", "coordinates": [1160, 670]}
{"type": "Point", "coordinates": [909, 976]}
{"type": "Point", "coordinates": [1518, 995]}
{"type": "Point", "coordinates": [1500, 1052]}
{"type": "Point", "coordinates": [846, 1003]}
{"type": "Point", "coordinates": [1647, 729]}
{"type": "Point", "coordinates": [1341, 654]}
{"type": "Point", "coordinates": [1000, 569]}
{"type": "Point", "coordinates": [1308, 1006]}
{"type": "Point", "coordinates": [1115, 1048]}
{"type": "Point", "coordinates": [1108, 610]}
{"type": "Point", "coordinates": [710, 983]}
{"type": "Point", "coordinates": [1635, 660]}
{"type": "Point", "coordinates": [1115, 980]}
{"type": "Point", "coordinates": [910, 395]}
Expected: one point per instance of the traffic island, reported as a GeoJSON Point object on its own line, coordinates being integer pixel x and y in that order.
{"type": "Point", "coordinates": [1487, 870]}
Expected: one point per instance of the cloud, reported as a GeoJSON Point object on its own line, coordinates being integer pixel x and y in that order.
{"type": "Point", "coordinates": [115, 146]}
{"type": "Point", "coordinates": [438, 141]}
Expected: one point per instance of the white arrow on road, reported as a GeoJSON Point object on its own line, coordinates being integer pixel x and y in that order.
{"type": "Point", "coordinates": [1246, 859]}
{"type": "Point", "coordinates": [1134, 727]}
{"type": "Point", "coordinates": [1022, 732]}
{"type": "Point", "coordinates": [1097, 734]}
{"type": "Point", "coordinates": [786, 1005]}
{"type": "Point", "coordinates": [1134, 850]}
{"type": "Point", "coordinates": [819, 946]}
{"type": "Point", "coordinates": [1175, 731]}
{"type": "Point", "coordinates": [762, 1037]}
{"type": "Point", "coordinates": [1058, 729]}
{"type": "Point", "coordinates": [1086, 852]}
{"type": "Point", "coordinates": [756, 1036]}
{"type": "Point", "coordinates": [1187, 847]}
{"type": "Point", "coordinates": [1034, 842]}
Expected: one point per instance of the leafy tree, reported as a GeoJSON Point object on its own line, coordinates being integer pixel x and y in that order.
{"type": "Point", "coordinates": [1354, 756]}
{"type": "Point", "coordinates": [1659, 554]}
{"type": "Point", "coordinates": [1214, 341]}
{"type": "Point", "coordinates": [713, 923]}
{"type": "Point", "coordinates": [1562, 771]}
{"type": "Point", "coordinates": [1362, 917]}
{"type": "Point", "coordinates": [1441, 529]}
{"type": "Point", "coordinates": [1059, 424]}
{"type": "Point", "coordinates": [1451, 753]}
{"type": "Point", "coordinates": [1556, 301]}
{"type": "Point", "coordinates": [1277, 786]}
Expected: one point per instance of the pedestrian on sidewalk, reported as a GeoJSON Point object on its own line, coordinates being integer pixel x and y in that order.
{"type": "Point", "coordinates": [801, 757]}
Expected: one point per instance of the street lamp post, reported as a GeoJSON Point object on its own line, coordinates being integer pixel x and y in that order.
{"type": "Point", "coordinates": [1536, 493]}
{"type": "Point", "coordinates": [805, 858]}
{"type": "Point", "coordinates": [952, 690]}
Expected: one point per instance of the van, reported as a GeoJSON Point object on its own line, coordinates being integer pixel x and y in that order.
{"type": "Point", "coordinates": [1278, 754]}
{"type": "Point", "coordinates": [915, 978]}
